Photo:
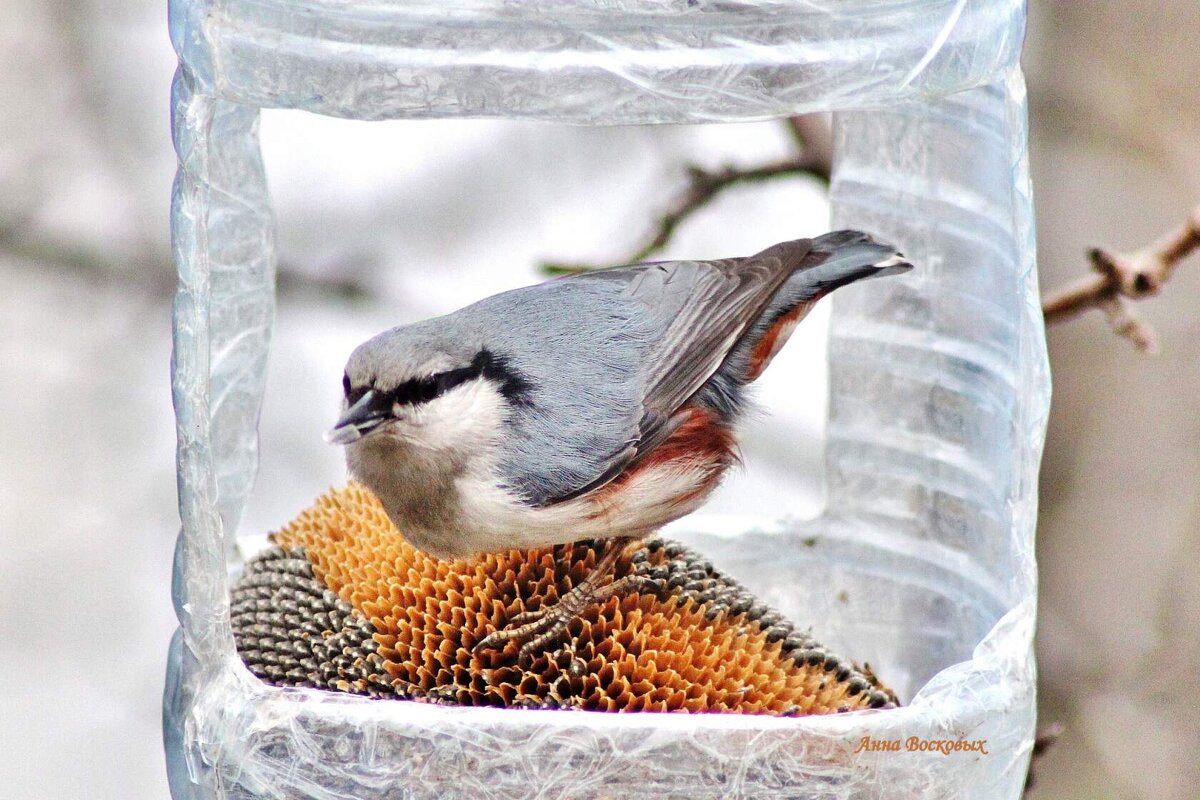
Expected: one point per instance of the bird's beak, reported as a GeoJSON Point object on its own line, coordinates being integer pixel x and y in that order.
{"type": "Point", "coordinates": [360, 419]}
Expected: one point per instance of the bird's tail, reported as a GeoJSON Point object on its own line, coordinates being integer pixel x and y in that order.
{"type": "Point", "coordinates": [826, 263]}
{"type": "Point", "coordinates": [837, 259]}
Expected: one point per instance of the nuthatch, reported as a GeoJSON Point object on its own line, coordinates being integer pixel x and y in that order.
{"type": "Point", "coordinates": [599, 405]}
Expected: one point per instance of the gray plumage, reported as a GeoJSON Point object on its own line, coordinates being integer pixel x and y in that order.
{"type": "Point", "coordinates": [596, 366]}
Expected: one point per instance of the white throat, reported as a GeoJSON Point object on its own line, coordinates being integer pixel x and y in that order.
{"type": "Point", "coordinates": [417, 462]}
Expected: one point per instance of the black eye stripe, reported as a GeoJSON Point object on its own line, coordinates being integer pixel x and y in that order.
{"type": "Point", "coordinates": [422, 390]}
{"type": "Point", "coordinates": [415, 391]}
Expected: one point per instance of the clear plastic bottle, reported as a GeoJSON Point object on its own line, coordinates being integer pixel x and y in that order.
{"type": "Point", "coordinates": [940, 385]}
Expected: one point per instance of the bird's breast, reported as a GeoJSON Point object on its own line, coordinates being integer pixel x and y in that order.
{"type": "Point", "coordinates": [415, 485]}
{"type": "Point", "coordinates": [457, 512]}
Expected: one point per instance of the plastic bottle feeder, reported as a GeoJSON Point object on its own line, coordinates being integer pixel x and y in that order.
{"type": "Point", "coordinates": [923, 564]}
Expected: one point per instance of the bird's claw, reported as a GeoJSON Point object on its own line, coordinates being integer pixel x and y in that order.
{"type": "Point", "coordinates": [526, 617]}
{"type": "Point", "coordinates": [536, 629]}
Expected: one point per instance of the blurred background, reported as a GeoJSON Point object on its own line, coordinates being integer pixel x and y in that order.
{"type": "Point", "coordinates": [87, 488]}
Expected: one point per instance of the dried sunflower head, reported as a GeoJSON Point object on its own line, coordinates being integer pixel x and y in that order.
{"type": "Point", "coordinates": [342, 602]}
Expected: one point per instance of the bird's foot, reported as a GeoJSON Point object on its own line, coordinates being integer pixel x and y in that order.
{"type": "Point", "coordinates": [535, 630]}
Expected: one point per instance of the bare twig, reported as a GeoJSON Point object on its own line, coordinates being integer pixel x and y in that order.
{"type": "Point", "coordinates": [813, 134]}
{"type": "Point", "coordinates": [150, 269]}
{"type": "Point", "coordinates": [145, 268]}
{"type": "Point", "coordinates": [1124, 323]}
{"type": "Point", "coordinates": [1043, 740]}
{"type": "Point", "coordinates": [813, 137]}
{"type": "Point", "coordinates": [1121, 277]}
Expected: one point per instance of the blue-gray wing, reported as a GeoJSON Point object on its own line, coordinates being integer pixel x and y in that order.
{"type": "Point", "coordinates": [610, 358]}
{"type": "Point", "coordinates": [702, 310]}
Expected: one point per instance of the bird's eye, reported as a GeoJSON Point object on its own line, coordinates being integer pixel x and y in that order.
{"type": "Point", "coordinates": [427, 390]}
{"type": "Point", "coordinates": [353, 395]}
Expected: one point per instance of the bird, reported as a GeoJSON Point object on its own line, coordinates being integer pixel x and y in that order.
{"type": "Point", "coordinates": [600, 405]}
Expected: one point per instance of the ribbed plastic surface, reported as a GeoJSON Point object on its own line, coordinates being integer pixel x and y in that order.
{"type": "Point", "coordinates": [924, 565]}
{"type": "Point", "coordinates": [592, 61]}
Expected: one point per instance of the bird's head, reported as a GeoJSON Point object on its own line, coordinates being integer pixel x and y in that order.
{"type": "Point", "coordinates": [426, 392]}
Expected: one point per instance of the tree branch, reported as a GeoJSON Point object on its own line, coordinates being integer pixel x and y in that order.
{"type": "Point", "coordinates": [1043, 740]}
{"type": "Point", "coordinates": [812, 135]}
{"type": "Point", "coordinates": [1121, 277]}
{"type": "Point", "coordinates": [150, 269]}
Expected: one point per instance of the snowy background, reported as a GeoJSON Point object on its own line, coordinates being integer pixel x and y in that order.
{"type": "Point", "coordinates": [387, 222]}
